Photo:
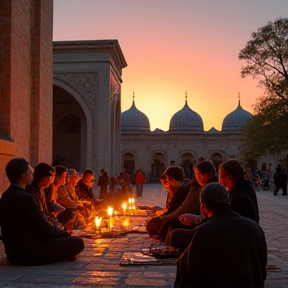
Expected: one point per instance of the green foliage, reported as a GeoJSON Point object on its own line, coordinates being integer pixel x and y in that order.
{"type": "Point", "coordinates": [267, 132]}
{"type": "Point", "coordinates": [266, 57]}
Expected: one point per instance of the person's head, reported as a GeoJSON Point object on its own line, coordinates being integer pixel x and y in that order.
{"type": "Point", "coordinates": [19, 171]}
{"type": "Point", "coordinates": [60, 175]}
{"type": "Point", "coordinates": [43, 175]}
{"type": "Point", "coordinates": [230, 174]}
{"type": "Point", "coordinates": [172, 177]}
{"type": "Point", "coordinates": [72, 177]}
{"type": "Point", "coordinates": [213, 199]}
{"type": "Point", "coordinates": [88, 175]}
{"type": "Point", "coordinates": [204, 170]}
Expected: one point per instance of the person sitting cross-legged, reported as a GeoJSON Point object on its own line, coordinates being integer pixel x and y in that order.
{"type": "Point", "coordinates": [28, 237]}
{"type": "Point", "coordinates": [227, 249]}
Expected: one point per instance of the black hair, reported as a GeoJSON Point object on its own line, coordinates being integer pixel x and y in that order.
{"type": "Point", "coordinates": [214, 197]}
{"type": "Point", "coordinates": [88, 171]}
{"type": "Point", "coordinates": [42, 170]}
{"type": "Point", "coordinates": [15, 168]}
{"type": "Point", "coordinates": [234, 169]}
{"type": "Point", "coordinates": [59, 170]}
{"type": "Point", "coordinates": [206, 167]}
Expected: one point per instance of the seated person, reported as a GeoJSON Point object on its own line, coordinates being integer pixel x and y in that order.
{"type": "Point", "coordinates": [242, 199]}
{"type": "Point", "coordinates": [28, 237]}
{"type": "Point", "coordinates": [43, 176]}
{"type": "Point", "coordinates": [227, 250]}
{"type": "Point", "coordinates": [65, 216]}
{"type": "Point", "coordinates": [68, 198]}
{"type": "Point", "coordinates": [84, 186]}
{"type": "Point", "coordinates": [172, 180]}
{"type": "Point", "coordinates": [205, 173]}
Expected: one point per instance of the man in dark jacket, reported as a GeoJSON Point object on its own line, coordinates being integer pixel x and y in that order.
{"type": "Point", "coordinates": [172, 181]}
{"type": "Point", "coordinates": [227, 250]}
{"type": "Point", "coordinates": [242, 196]}
{"type": "Point", "coordinates": [28, 237]}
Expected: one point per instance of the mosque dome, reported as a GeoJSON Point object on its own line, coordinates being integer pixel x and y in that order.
{"type": "Point", "coordinates": [236, 120]}
{"type": "Point", "coordinates": [134, 119]}
{"type": "Point", "coordinates": [186, 119]}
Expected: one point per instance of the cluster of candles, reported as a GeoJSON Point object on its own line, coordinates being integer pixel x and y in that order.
{"type": "Point", "coordinates": [131, 205]}
{"type": "Point", "coordinates": [98, 220]}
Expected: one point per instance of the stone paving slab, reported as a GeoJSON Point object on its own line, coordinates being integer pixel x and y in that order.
{"type": "Point", "coordinates": [98, 265]}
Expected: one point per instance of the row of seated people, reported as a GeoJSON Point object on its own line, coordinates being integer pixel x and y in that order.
{"type": "Point", "coordinates": [64, 198]}
{"type": "Point", "coordinates": [203, 220]}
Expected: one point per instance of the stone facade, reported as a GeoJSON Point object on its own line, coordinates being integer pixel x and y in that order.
{"type": "Point", "coordinates": [185, 142]}
{"type": "Point", "coordinates": [25, 82]}
{"type": "Point", "coordinates": [87, 104]}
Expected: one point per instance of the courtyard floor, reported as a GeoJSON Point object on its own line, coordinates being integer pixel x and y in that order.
{"type": "Point", "coordinates": [99, 264]}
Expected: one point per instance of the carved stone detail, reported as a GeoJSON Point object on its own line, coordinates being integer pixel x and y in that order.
{"type": "Point", "coordinates": [86, 84]}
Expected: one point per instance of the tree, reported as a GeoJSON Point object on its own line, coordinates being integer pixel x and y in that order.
{"type": "Point", "coordinates": [266, 133]}
{"type": "Point", "coordinates": [266, 59]}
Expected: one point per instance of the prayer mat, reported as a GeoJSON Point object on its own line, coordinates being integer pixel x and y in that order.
{"type": "Point", "coordinates": [138, 258]}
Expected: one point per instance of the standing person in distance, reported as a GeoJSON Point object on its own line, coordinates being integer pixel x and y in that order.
{"type": "Point", "coordinates": [103, 182]}
{"type": "Point", "coordinates": [140, 180]}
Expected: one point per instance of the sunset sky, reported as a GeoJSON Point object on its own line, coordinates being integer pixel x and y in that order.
{"type": "Point", "coordinates": [174, 46]}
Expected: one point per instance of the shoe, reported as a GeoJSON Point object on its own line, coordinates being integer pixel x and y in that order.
{"type": "Point", "coordinates": [275, 193]}
{"type": "Point", "coordinates": [284, 194]}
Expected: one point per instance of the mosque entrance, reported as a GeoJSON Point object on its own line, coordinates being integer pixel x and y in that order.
{"type": "Point", "coordinates": [187, 160]}
{"type": "Point", "coordinates": [217, 159]}
{"type": "Point", "coordinates": [69, 130]}
{"type": "Point", "coordinates": [129, 163]}
{"type": "Point", "coordinates": [157, 166]}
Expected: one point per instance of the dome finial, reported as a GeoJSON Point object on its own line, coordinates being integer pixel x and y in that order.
{"type": "Point", "coordinates": [186, 96]}
{"type": "Point", "coordinates": [133, 98]}
{"type": "Point", "coordinates": [239, 98]}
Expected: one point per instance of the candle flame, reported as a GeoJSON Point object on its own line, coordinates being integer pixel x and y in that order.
{"type": "Point", "coordinates": [110, 211]}
{"type": "Point", "coordinates": [98, 221]}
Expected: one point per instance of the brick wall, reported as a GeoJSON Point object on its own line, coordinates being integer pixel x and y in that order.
{"type": "Point", "coordinates": [25, 82]}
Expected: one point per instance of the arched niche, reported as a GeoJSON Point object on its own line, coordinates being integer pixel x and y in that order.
{"type": "Point", "coordinates": [128, 160]}
{"type": "Point", "coordinates": [217, 159]}
{"type": "Point", "coordinates": [187, 165]}
{"type": "Point", "coordinates": [158, 161]}
{"type": "Point", "coordinates": [67, 141]}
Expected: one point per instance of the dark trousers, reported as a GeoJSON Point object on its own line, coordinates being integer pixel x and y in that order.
{"type": "Point", "coordinates": [278, 187]}
{"type": "Point", "coordinates": [168, 226]}
{"type": "Point", "coordinates": [50, 251]}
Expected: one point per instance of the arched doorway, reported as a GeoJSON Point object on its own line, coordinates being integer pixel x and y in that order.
{"type": "Point", "coordinates": [69, 131]}
{"type": "Point", "coordinates": [157, 165]}
{"type": "Point", "coordinates": [217, 159]}
{"type": "Point", "coordinates": [187, 165]}
{"type": "Point", "coordinates": [129, 163]}
{"type": "Point", "coordinates": [67, 139]}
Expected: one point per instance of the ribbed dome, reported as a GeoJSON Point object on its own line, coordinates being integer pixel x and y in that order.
{"type": "Point", "coordinates": [134, 119]}
{"type": "Point", "coordinates": [236, 119]}
{"type": "Point", "coordinates": [186, 119]}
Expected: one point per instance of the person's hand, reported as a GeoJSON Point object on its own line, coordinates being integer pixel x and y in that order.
{"type": "Point", "coordinates": [190, 219]}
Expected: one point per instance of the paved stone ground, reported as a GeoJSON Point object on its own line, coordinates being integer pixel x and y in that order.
{"type": "Point", "coordinates": [98, 265]}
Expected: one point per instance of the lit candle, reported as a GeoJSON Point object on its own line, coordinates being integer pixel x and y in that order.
{"type": "Point", "coordinates": [110, 213]}
{"type": "Point", "coordinates": [98, 223]}
{"type": "Point", "coordinates": [124, 207]}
